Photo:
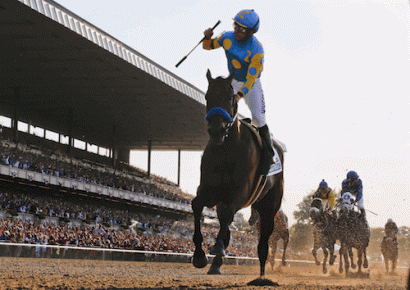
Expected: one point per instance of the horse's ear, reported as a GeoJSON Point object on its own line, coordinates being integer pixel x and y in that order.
{"type": "Point", "coordinates": [208, 75]}
{"type": "Point", "coordinates": [231, 76]}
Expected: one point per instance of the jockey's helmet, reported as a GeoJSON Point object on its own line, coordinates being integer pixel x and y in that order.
{"type": "Point", "coordinates": [352, 176]}
{"type": "Point", "coordinates": [323, 183]}
{"type": "Point", "coordinates": [247, 18]}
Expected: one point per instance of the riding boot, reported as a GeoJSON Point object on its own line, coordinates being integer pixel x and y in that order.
{"type": "Point", "coordinates": [265, 135]}
{"type": "Point", "coordinates": [362, 213]}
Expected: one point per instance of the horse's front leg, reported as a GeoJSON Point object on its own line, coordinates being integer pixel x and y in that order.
{"type": "Point", "coordinates": [314, 253]}
{"type": "Point", "coordinates": [359, 260]}
{"type": "Point", "coordinates": [225, 216]}
{"type": "Point", "coordinates": [332, 257]}
{"type": "Point", "coordinates": [199, 259]}
{"type": "Point", "coordinates": [352, 263]}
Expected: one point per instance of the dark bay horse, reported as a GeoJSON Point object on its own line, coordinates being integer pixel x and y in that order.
{"type": "Point", "coordinates": [324, 232]}
{"type": "Point", "coordinates": [353, 232]}
{"type": "Point", "coordinates": [390, 252]}
{"type": "Point", "coordinates": [280, 232]}
{"type": "Point", "coordinates": [230, 172]}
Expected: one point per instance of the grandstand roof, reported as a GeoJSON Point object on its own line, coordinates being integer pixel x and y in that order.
{"type": "Point", "coordinates": [59, 62]}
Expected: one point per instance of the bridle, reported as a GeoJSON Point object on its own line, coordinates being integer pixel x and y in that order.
{"type": "Point", "coordinates": [224, 114]}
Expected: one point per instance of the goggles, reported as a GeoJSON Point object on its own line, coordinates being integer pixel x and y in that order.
{"type": "Point", "coordinates": [239, 28]}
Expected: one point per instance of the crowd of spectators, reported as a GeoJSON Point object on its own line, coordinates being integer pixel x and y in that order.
{"type": "Point", "coordinates": [99, 226]}
{"type": "Point", "coordinates": [56, 163]}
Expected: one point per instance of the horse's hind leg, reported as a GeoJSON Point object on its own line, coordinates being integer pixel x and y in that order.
{"type": "Point", "coordinates": [272, 251]}
{"type": "Point", "coordinates": [266, 229]}
{"type": "Point", "coordinates": [326, 254]}
{"type": "Point", "coordinates": [314, 250]}
{"type": "Point", "coordinates": [199, 259]}
{"type": "Point", "coordinates": [285, 245]}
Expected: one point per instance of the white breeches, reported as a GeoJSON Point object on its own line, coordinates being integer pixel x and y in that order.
{"type": "Point", "coordinates": [360, 203]}
{"type": "Point", "coordinates": [255, 101]}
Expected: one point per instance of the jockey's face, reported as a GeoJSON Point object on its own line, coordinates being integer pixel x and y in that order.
{"type": "Point", "coordinates": [242, 33]}
{"type": "Point", "coordinates": [353, 181]}
{"type": "Point", "coordinates": [322, 189]}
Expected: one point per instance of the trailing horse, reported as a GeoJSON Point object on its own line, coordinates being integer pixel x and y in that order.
{"type": "Point", "coordinates": [354, 232]}
{"type": "Point", "coordinates": [231, 176]}
{"type": "Point", "coordinates": [324, 232]}
{"type": "Point", "coordinates": [390, 251]}
{"type": "Point", "coordinates": [280, 232]}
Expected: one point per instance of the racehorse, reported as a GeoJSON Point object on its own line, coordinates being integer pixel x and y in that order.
{"type": "Point", "coordinates": [390, 251]}
{"type": "Point", "coordinates": [230, 172]}
{"type": "Point", "coordinates": [354, 232]}
{"type": "Point", "coordinates": [280, 231]}
{"type": "Point", "coordinates": [324, 232]}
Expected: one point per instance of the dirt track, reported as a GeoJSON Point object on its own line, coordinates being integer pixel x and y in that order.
{"type": "Point", "coordinates": [28, 273]}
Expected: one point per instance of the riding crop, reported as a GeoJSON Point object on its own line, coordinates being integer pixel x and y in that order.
{"type": "Point", "coordinates": [184, 58]}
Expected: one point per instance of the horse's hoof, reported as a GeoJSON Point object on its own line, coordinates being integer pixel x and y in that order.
{"type": "Point", "coordinates": [318, 263]}
{"type": "Point", "coordinates": [365, 264]}
{"type": "Point", "coordinates": [324, 270]}
{"type": "Point", "coordinates": [353, 266]}
{"type": "Point", "coordinates": [284, 263]}
{"type": "Point", "coordinates": [340, 270]}
{"type": "Point", "coordinates": [214, 271]}
{"type": "Point", "coordinates": [199, 260]}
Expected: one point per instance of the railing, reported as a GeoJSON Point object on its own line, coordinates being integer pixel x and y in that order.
{"type": "Point", "coordinates": [65, 17]}
{"type": "Point", "coordinates": [89, 253]}
{"type": "Point", "coordinates": [98, 189]}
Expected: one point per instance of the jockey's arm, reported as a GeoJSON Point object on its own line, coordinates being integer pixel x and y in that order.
{"type": "Point", "coordinates": [212, 43]}
{"type": "Point", "coordinates": [332, 199]}
{"type": "Point", "coordinates": [254, 71]}
{"type": "Point", "coordinates": [359, 194]}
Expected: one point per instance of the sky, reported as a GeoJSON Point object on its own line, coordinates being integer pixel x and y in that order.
{"type": "Point", "coordinates": [336, 85]}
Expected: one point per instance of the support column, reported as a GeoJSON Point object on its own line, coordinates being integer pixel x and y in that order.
{"type": "Point", "coordinates": [70, 129]}
{"type": "Point", "coordinates": [114, 153]}
{"type": "Point", "coordinates": [179, 167]}
{"type": "Point", "coordinates": [17, 94]}
{"type": "Point", "coordinates": [149, 157]}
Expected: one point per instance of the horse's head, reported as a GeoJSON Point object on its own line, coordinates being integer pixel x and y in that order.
{"type": "Point", "coordinates": [316, 208]}
{"type": "Point", "coordinates": [221, 107]}
{"type": "Point", "coordinates": [347, 203]}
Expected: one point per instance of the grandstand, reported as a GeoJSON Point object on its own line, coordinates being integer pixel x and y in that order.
{"type": "Point", "coordinates": [73, 102]}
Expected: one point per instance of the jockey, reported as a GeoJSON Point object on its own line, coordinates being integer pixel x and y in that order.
{"type": "Point", "coordinates": [328, 197]}
{"type": "Point", "coordinates": [245, 57]}
{"type": "Point", "coordinates": [354, 185]}
{"type": "Point", "coordinates": [391, 230]}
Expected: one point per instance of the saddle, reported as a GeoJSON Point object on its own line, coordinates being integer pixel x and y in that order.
{"type": "Point", "coordinates": [265, 171]}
